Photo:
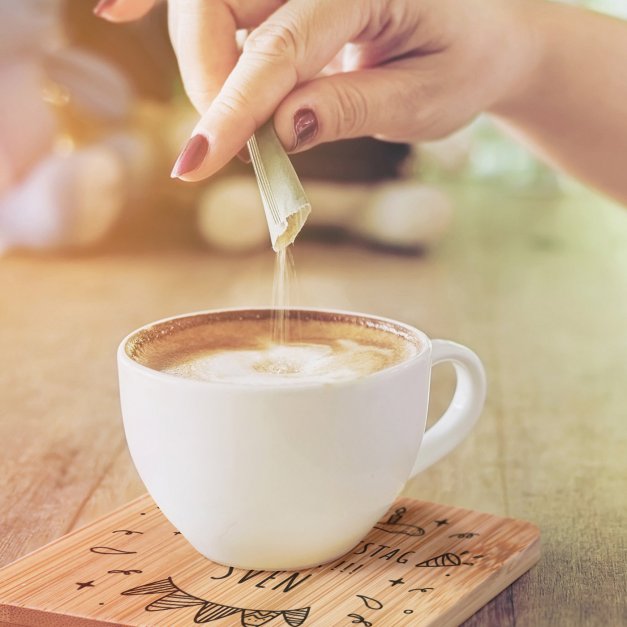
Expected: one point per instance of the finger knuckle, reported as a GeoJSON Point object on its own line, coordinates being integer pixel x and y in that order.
{"type": "Point", "coordinates": [428, 125]}
{"type": "Point", "coordinates": [427, 114]}
{"type": "Point", "coordinates": [235, 103]}
{"type": "Point", "coordinates": [275, 42]}
{"type": "Point", "coordinates": [198, 96]}
{"type": "Point", "coordinates": [414, 115]}
{"type": "Point", "coordinates": [353, 110]}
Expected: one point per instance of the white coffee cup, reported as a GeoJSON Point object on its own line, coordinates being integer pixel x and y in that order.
{"type": "Point", "coordinates": [283, 478]}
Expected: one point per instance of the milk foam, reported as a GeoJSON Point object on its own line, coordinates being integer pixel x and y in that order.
{"type": "Point", "coordinates": [287, 363]}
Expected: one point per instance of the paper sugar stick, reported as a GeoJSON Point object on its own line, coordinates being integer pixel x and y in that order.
{"type": "Point", "coordinates": [282, 194]}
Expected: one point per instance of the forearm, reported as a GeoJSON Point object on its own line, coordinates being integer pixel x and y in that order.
{"type": "Point", "coordinates": [572, 105]}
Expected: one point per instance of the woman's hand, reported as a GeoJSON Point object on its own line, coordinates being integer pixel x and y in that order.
{"type": "Point", "coordinates": [402, 70]}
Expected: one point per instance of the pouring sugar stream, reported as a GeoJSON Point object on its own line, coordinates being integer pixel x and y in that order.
{"type": "Point", "coordinates": [286, 208]}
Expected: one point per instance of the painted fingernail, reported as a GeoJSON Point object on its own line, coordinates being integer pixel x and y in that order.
{"type": "Point", "coordinates": [103, 6]}
{"type": "Point", "coordinates": [305, 126]}
{"type": "Point", "coordinates": [192, 155]}
{"type": "Point", "coordinates": [243, 155]}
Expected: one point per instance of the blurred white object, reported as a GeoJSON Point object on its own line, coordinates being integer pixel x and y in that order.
{"type": "Point", "coordinates": [92, 85]}
{"type": "Point", "coordinates": [398, 214]}
{"type": "Point", "coordinates": [29, 27]}
{"type": "Point", "coordinates": [451, 153]}
{"type": "Point", "coordinates": [231, 216]}
{"type": "Point", "coordinates": [67, 200]}
{"type": "Point", "coordinates": [55, 191]}
{"type": "Point", "coordinates": [138, 157]}
{"type": "Point", "coordinates": [405, 214]}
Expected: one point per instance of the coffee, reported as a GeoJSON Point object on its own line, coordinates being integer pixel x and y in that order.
{"type": "Point", "coordinates": [238, 347]}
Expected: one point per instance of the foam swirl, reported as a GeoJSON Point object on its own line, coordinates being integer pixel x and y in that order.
{"type": "Point", "coordinates": [287, 363]}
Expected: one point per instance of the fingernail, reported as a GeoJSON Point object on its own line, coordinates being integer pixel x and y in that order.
{"type": "Point", "coordinates": [305, 126]}
{"type": "Point", "coordinates": [103, 6]}
{"type": "Point", "coordinates": [244, 155]}
{"type": "Point", "coordinates": [192, 155]}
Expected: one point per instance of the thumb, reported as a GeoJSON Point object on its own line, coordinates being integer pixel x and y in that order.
{"type": "Point", "coordinates": [384, 102]}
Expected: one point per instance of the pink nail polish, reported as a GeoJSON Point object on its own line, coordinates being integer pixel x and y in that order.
{"type": "Point", "coordinates": [192, 156]}
{"type": "Point", "coordinates": [102, 7]}
{"type": "Point", "coordinates": [305, 126]}
{"type": "Point", "coordinates": [243, 155]}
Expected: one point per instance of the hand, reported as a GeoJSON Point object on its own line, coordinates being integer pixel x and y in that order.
{"type": "Point", "coordinates": [401, 70]}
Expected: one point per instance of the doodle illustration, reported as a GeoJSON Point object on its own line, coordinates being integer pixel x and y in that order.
{"type": "Point", "coordinates": [128, 532]}
{"type": "Point", "coordinates": [370, 602]}
{"type": "Point", "coordinates": [463, 536]}
{"type": "Point", "coordinates": [347, 567]}
{"type": "Point", "coordinates": [85, 584]}
{"type": "Point", "coordinates": [444, 521]}
{"type": "Point", "coordinates": [109, 550]}
{"type": "Point", "coordinates": [393, 525]}
{"type": "Point", "coordinates": [174, 598]}
{"type": "Point", "coordinates": [358, 619]}
{"type": "Point", "coordinates": [447, 559]}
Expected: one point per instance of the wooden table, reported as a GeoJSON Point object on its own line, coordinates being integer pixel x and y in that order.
{"type": "Point", "coordinates": [538, 287]}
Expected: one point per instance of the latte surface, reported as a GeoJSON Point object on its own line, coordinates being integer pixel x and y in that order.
{"type": "Point", "coordinates": [239, 348]}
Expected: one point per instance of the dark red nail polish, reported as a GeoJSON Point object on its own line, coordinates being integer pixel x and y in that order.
{"type": "Point", "coordinates": [243, 155]}
{"type": "Point", "coordinates": [305, 126]}
{"type": "Point", "coordinates": [192, 155]}
{"type": "Point", "coordinates": [102, 6]}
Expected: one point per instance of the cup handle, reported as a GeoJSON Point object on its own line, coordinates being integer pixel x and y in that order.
{"type": "Point", "coordinates": [461, 415]}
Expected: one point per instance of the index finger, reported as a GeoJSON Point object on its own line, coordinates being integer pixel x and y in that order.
{"type": "Point", "coordinates": [290, 47]}
{"type": "Point", "coordinates": [203, 36]}
{"type": "Point", "coordinates": [123, 10]}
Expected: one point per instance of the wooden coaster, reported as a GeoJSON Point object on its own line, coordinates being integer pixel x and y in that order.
{"type": "Point", "coordinates": [424, 564]}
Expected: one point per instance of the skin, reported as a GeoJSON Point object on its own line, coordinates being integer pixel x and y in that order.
{"type": "Point", "coordinates": [405, 70]}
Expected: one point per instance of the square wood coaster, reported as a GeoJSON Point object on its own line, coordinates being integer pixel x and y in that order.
{"type": "Point", "coordinates": [423, 564]}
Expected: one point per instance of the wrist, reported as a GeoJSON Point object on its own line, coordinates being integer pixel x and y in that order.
{"type": "Point", "coordinates": [526, 60]}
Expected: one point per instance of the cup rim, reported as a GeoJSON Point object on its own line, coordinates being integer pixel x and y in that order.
{"type": "Point", "coordinates": [123, 357]}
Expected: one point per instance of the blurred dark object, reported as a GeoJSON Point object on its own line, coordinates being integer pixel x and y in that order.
{"type": "Point", "coordinates": [141, 49]}
{"type": "Point", "coordinates": [364, 159]}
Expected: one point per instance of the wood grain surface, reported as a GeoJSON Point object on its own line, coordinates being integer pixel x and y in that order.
{"type": "Point", "coordinates": [537, 286]}
{"type": "Point", "coordinates": [422, 565]}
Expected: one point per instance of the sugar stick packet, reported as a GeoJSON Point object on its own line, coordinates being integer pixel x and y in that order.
{"type": "Point", "coordinates": [282, 194]}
